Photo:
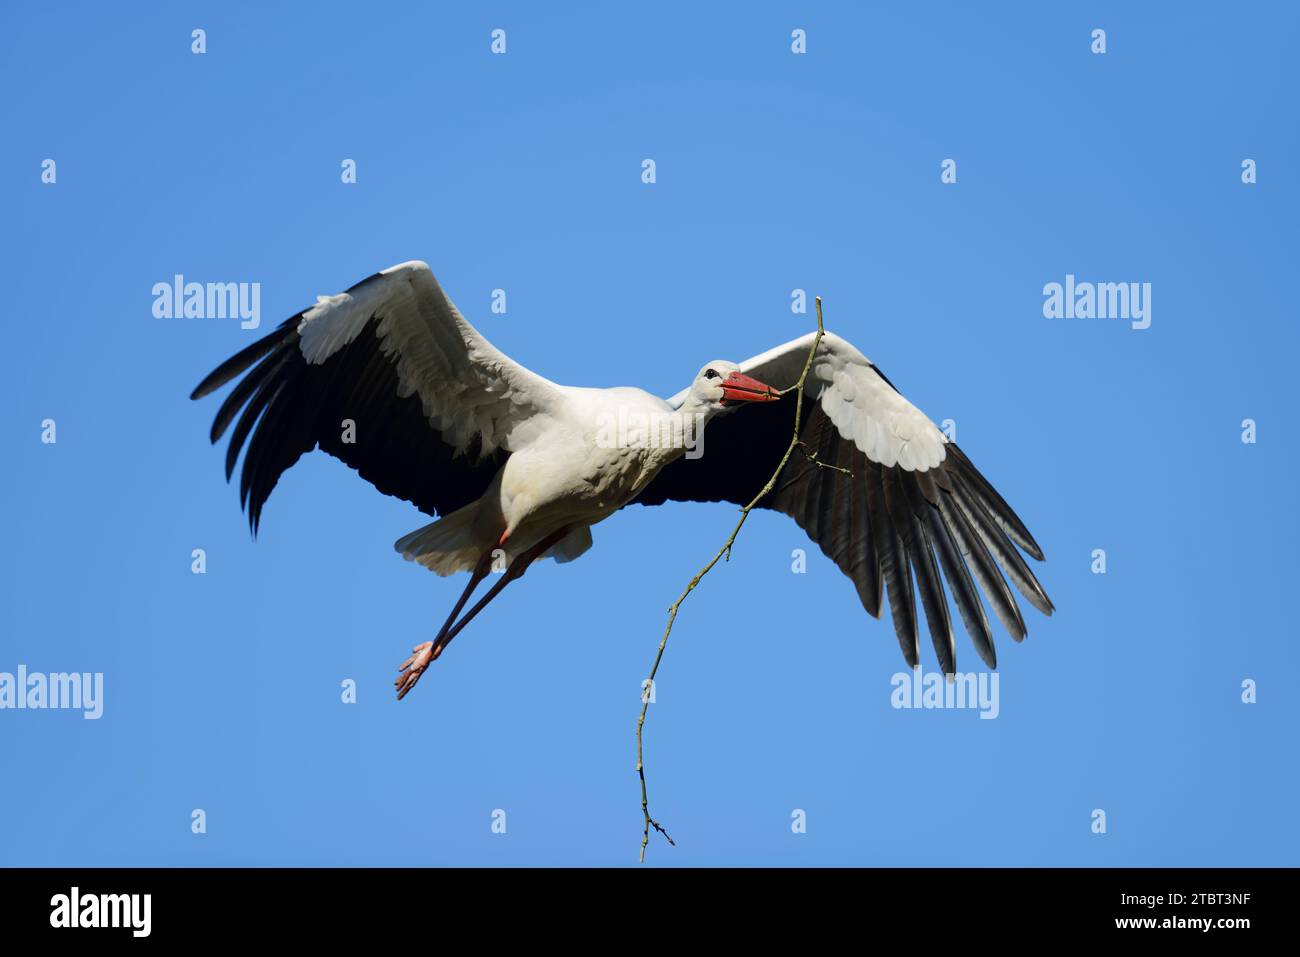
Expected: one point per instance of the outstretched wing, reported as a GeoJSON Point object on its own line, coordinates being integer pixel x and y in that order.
{"type": "Point", "coordinates": [911, 512]}
{"type": "Point", "coordinates": [389, 378]}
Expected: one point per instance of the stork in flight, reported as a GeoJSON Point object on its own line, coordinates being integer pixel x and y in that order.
{"type": "Point", "coordinates": [519, 468]}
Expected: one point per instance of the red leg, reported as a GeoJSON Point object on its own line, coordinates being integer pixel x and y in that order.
{"type": "Point", "coordinates": [479, 573]}
{"type": "Point", "coordinates": [425, 654]}
{"type": "Point", "coordinates": [413, 667]}
{"type": "Point", "coordinates": [516, 570]}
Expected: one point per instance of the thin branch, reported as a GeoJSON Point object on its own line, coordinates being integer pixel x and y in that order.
{"type": "Point", "coordinates": [725, 550]}
{"type": "Point", "coordinates": [812, 457]}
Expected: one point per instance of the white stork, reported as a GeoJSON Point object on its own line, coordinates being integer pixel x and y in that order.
{"type": "Point", "coordinates": [522, 467]}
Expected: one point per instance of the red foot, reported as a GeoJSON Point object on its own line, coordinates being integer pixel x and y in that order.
{"type": "Point", "coordinates": [411, 669]}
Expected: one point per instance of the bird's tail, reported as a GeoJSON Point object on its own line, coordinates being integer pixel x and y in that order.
{"type": "Point", "coordinates": [451, 544]}
{"type": "Point", "coordinates": [571, 546]}
{"type": "Point", "coordinates": [446, 546]}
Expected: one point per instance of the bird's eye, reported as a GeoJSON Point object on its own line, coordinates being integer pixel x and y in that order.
{"type": "Point", "coordinates": [710, 374]}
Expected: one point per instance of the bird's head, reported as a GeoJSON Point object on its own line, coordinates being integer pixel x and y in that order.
{"type": "Point", "coordinates": [720, 385]}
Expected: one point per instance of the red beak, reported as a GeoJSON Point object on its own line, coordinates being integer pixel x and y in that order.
{"type": "Point", "coordinates": [739, 387]}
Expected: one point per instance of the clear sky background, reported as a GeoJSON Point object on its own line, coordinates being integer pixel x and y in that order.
{"type": "Point", "coordinates": [775, 172]}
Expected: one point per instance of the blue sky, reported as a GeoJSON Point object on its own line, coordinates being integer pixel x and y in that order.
{"type": "Point", "coordinates": [775, 172]}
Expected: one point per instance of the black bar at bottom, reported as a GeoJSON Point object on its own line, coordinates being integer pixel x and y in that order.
{"type": "Point", "coordinates": [331, 905]}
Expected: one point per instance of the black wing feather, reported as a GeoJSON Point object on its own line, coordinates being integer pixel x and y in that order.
{"type": "Point", "coordinates": [926, 568]}
{"type": "Point", "coordinates": [999, 510]}
{"type": "Point", "coordinates": [983, 567]}
{"type": "Point", "coordinates": [893, 568]}
{"type": "Point", "coordinates": [1013, 566]}
{"type": "Point", "coordinates": [245, 357]}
